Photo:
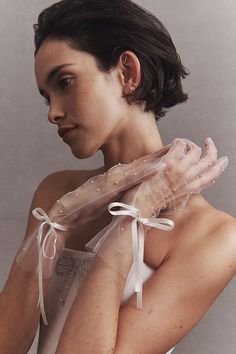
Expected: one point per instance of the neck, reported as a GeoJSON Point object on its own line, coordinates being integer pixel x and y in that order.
{"type": "Point", "coordinates": [137, 136]}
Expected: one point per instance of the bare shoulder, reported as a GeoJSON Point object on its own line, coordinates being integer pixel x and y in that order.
{"type": "Point", "coordinates": [199, 225]}
{"type": "Point", "coordinates": [225, 225]}
{"type": "Point", "coordinates": [221, 239]}
{"type": "Point", "coordinates": [210, 243]}
{"type": "Point", "coordinates": [219, 225]}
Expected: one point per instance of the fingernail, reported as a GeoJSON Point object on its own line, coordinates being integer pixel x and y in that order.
{"type": "Point", "coordinates": [177, 140]}
{"type": "Point", "coordinates": [207, 146]}
{"type": "Point", "coordinates": [209, 139]}
{"type": "Point", "coordinates": [224, 161]}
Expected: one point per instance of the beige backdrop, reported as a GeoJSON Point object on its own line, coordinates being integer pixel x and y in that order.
{"type": "Point", "coordinates": [204, 32]}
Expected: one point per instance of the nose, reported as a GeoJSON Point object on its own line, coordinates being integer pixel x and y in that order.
{"type": "Point", "coordinates": [56, 112]}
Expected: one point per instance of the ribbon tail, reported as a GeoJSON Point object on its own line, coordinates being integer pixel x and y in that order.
{"type": "Point", "coordinates": [140, 263]}
{"type": "Point", "coordinates": [138, 238]}
{"type": "Point", "coordinates": [140, 299]}
{"type": "Point", "coordinates": [138, 249]}
{"type": "Point", "coordinates": [40, 275]}
{"type": "Point", "coordinates": [135, 254]}
{"type": "Point", "coordinates": [40, 284]}
{"type": "Point", "coordinates": [43, 245]}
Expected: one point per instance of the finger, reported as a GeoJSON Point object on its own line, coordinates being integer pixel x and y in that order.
{"type": "Point", "coordinates": [211, 151]}
{"type": "Point", "coordinates": [175, 154]}
{"type": "Point", "coordinates": [183, 166]}
{"type": "Point", "coordinates": [208, 177]}
{"type": "Point", "coordinates": [209, 158]}
{"type": "Point", "coordinates": [172, 159]}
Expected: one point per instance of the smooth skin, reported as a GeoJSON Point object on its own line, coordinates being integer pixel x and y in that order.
{"type": "Point", "coordinates": [193, 263]}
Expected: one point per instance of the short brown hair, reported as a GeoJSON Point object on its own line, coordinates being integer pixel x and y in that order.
{"type": "Point", "coordinates": [105, 29]}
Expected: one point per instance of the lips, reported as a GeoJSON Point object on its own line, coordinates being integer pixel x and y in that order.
{"type": "Point", "coordinates": [63, 130]}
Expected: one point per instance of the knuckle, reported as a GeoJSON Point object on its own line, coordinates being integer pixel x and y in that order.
{"type": "Point", "coordinates": [210, 162]}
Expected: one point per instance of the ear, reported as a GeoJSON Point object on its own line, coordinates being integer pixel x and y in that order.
{"type": "Point", "coordinates": [129, 71]}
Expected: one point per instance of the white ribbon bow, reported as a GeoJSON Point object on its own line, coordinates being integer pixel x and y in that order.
{"type": "Point", "coordinates": [138, 239]}
{"type": "Point", "coordinates": [42, 251]}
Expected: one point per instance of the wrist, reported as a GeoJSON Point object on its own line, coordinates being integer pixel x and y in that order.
{"type": "Point", "coordinates": [150, 205]}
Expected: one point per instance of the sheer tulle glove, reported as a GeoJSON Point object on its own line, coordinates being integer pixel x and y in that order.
{"type": "Point", "coordinates": [39, 252]}
{"type": "Point", "coordinates": [187, 171]}
{"type": "Point", "coordinates": [121, 244]}
{"type": "Point", "coordinates": [78, 207]}
{"type": "Point", "coordinates": [198, 172]}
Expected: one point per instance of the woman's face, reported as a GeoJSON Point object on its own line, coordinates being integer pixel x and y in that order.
{"type": "Point", "coordinates": [80, 96]}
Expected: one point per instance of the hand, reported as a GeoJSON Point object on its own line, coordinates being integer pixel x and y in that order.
{"type": "Point", "coordinates": [90, 199]}
{"type": "Point", "coordinates": [186, 172]}
{"type": "Point", "coordinates": [121, 243]}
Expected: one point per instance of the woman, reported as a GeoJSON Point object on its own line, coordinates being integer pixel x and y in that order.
{"type": "Point", "coordinates": [107, 70]}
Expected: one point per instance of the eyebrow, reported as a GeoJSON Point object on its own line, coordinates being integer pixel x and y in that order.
{"type": "Point", "coordinates": [52, 74]}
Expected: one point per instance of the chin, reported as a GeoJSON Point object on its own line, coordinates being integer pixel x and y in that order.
{"type": "Point", "coordinates": [83, 153]}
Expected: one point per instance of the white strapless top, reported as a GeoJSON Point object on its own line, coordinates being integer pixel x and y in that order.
{"type": "Point", "coordinates": [69, 273]}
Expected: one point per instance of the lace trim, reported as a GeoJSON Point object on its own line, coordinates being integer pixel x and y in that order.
{"type": "Point", "coordinates": [72, 269]}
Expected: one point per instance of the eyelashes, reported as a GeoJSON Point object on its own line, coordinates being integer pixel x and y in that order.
{"type": "Point", "coordinates": [46, 101]}
{"type": "Point", "coordinates": [62, 84]}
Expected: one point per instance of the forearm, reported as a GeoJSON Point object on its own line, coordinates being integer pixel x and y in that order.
{"type": "Point", "coordinates": [19, 311]}
{"type": "Point", "coordinates": [91, 326]}
{"type": "Point", "coordinates": [19, 315]}
{"type": "Point", "coordinates": [93, 319]}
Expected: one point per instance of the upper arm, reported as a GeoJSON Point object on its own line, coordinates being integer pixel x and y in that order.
{"type": "Point", "coordinates": [50, 188]}
{"type": "Point", "coordinates": [48, 191]}
{"type": "Point", "coordinates": [178, 294]}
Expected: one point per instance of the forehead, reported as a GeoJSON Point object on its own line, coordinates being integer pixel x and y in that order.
{"type": "Point", "coordinates": [54, 53]}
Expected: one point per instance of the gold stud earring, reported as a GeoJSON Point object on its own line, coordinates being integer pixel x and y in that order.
{"type": "Point", "coordinates": [132, 88]}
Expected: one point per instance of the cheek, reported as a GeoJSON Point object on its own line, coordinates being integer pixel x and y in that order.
{"type": "Point", "coordinates": [107, 100]}
{"type": "Point", "coordinates": [97, 103]}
